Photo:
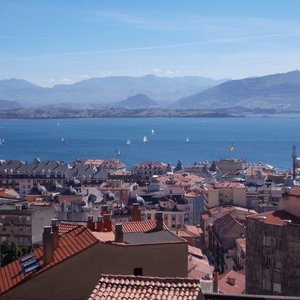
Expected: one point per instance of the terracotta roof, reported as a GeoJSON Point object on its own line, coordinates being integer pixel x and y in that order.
{"type": "Point", "coordinates": [195, 251]}
{"type": "Point", "coordinates": [63, 228]}
{"type": "Point", "coordinates": [139, 226]}
{"type": "Point", "coordinates": [277, 217]}
{"type": "Point", "coordinates": [197, 268]}
{"type": "Point", "coordinates": [70, 244]}
{"type": "Point", "coordinates": [235, 185]}
{"type": "Point", "coordinates": [232, 283]}
{"type": "Point", "coordinates": [293, 192]}
{"type": "Point", "coordinates": [136, 287]}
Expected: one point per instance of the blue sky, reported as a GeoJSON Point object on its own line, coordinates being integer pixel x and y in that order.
{"type": "Point", "coordinates": [51, 42]}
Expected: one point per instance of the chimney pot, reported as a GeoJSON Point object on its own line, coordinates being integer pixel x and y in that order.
{"type": "Point", "coordinates": [48, 245]}
{"type": "Point", "coordinates": [54, 224]}
{"type": "Point", "coordinates": [136, 213]}
{"type": "Point", "coordinates": [216, 282]}
{"type": "Point", "coordinates": [90, 223]}
{"type": "Point", "coordinates": [159, 221]}
{"type": "Point", "coordinates": [107, 225]}
{"type": "Point", "coordinates": [119, 233]}
{"type": "Point", "coordinates": [99, 224]}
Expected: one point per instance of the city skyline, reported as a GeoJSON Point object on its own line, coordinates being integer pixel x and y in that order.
{"type": "Point", "coordinates": [53, 42]}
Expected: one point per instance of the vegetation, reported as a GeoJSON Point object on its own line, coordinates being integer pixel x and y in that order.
{"type": "Point", "coordinates": [9, 251]}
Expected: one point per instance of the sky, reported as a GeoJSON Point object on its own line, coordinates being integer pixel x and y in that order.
{"type": "Point", "coordinates": [65, 41]}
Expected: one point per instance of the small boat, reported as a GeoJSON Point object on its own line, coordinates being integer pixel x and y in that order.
{"type": "Point", "coordinates": [187, 140]}
{"type": "Point", "coordinates": [145, 140]}
{"type": "Point", "coordinates": [2, 141]}
{"type": "Point", "coordinates": [62, 140]}
{"type": "Point", "coordinates": [231, 147]}
{"type": "Point", "coordinates": [152, 131]}
{"type": "Point", "coordinates": [128, 142]}
{"type": "Point", "coordinates": [58, 124]}
{"type": "Point", "coordinates": [118, 152]}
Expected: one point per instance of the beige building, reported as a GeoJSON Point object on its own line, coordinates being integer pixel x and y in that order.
{"type": "Point", "coordinates": [81, 254]}
{"type": "Point", "coordinates": [224, 193]}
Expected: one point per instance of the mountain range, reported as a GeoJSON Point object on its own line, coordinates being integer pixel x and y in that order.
{"type": "Point", "coordinates": [278, 92]}
{"type": "Point", "coordinates": [104, 91]}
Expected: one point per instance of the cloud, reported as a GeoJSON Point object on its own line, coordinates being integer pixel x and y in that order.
{"type": "Point", "coordinates": [168, 73]}
{"type": "Point", "coordinates": [66, 80]}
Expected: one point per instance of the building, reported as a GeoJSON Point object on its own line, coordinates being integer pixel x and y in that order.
{"type": "Point", "coordinates": [82, 253]}
{"type": "Point", "coordinates": [230, 165]}
{"type": "Point", "coordinates": [22, 223]}
{"type": "Point", "coordinates": [272, 261]}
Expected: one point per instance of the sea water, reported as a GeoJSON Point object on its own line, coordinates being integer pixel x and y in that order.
{"type": "Point", "coordinates": [266, 139]}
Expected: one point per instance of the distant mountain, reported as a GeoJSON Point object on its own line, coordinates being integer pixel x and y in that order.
{"type": "Point", "coordinates": [103, 91]}
{"type": "Point", "coordinates": [137, 101]}
{"type": "Point", "coordinates": [279, 91]}
{"type": "Point", "coordinates": [5, 104]}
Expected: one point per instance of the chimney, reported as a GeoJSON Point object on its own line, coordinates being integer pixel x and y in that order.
{"type": "Point", "coordinates": [54, 224]}
{"type": "Point", "coordinates": [136, 213]}
{"type": "Point", "coordinates": [119, 233]}
{"type": "Point", "coordinates": [107, 226]}
{"type": "Point", "coordinates": [216, 282]}
{"type": "Point", "coordinates": [104, 209]}
{"type": "Point", "coordinates": [286, 222]}
{"type": "Point", "coordinates": [90, 224]}
{"type": "Point", "coordinates": [99, 224]}
{"type": "Point", "coordinates": [231, 281]}
{"type": "Point", "coordinates": [159, 221]}
{"type": "Point", "coordinates": [47, 245]}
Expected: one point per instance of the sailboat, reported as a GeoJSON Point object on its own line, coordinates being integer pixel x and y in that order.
{"type": "Point", "coordinates": [1, 141]}
{"type": "Point", "coordinates": [187, 140]}
{"type": "Point", "coordinates": [152, 131]}
{"type": "Point", "coordinates": [145, 140]}
{"type": "Point", "coordinates": [128, 142]}
{"type": "Point", "coordinates": [62, 140]}
{"type": "Point", "coordinates": [118, 152]}
{"type": "Point", "coordinates": [231, 147]}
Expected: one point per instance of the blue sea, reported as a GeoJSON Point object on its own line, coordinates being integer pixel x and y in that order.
{"type": "Point", "coordinates": [255, 138]}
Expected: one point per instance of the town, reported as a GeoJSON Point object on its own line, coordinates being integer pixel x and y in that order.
{"type": "Point", "coordinates": [226, 227]}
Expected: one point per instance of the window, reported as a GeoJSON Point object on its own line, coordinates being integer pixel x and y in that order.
{"type": "Point", "coordinates": [266, 284]}
{"type": "Point", "coordinates": [276, 287]}
{"type": "Point", "coordinates": [267, 262]}
{"type": "Point", "coordinates": [278, 264]}
{"type": "Point", "coordinates": [276, 243]}
{"type": "Point", "coordinates": [267, 241]}
{"type": "Point", "coordinates": [138, 271]}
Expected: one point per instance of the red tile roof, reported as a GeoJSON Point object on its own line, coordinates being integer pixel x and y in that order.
{"type": "Point", "coordinates": [293, 192]}
{"type": "Point", "coordinates": [117, 287]}
{"type": "Point", "coordinates": [70, 244]}
{"type": "Point", "coordinates": [139, 226]}
{"type": "Point", "coordinates": [277, 217]}
{"type": "Point", "coordinates": [232, 283]}
{"type": "Point", "coordinates": [66, 227]}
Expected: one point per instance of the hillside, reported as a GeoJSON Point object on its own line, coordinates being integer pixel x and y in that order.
{"type": "Point", "coordinates": [279, 91]}
{"type": "Point", "coordinates": [136, 102]}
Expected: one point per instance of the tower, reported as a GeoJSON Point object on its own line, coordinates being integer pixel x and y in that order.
{"type": "Point", "coordinates": [294, 156]}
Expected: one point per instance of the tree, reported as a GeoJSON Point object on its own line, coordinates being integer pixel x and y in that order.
{"type": "Point", "coordinates": [9, 251]}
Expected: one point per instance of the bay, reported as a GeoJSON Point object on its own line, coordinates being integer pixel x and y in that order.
{"type": "Point", "coordinates": [256, 138]}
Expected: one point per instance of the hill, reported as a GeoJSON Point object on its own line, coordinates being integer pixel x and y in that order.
{"type": "Point", "coordinates": [136, 102]}
{"type": "Point", "coordinates": [278, 91]}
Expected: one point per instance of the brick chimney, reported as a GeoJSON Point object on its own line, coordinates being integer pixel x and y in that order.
{"type": "Point", "coordinates": [119, 233]}
{"type": "Point", "coordinates": [99, 224]}
{"type": "Point", "coordinates": [136, 213]}
{"type": "Point", "coordinates": [216, 282]}
{"type": "Point", "coordinates": [48, 245]}
{"type": "Point", "coordinates": [104, 209]}
{"type": "Point", "coordinates": [90, 224]}
{"type": "Point", "coordinates": [107, 226]}
{"type": "Point", "coordinates": [54, 224]}
{"type": "Point", "coordinates": [159, 221]}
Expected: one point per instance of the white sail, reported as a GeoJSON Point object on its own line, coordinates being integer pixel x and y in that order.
{"type": "Point", "coordinates": [145, 140]}
{"type": "Point", "coordinates": [128, 142]}
{"type": "Point", "coordinates": [187, 139]}
{"type": "Point", "coordinates": [152, 131]}
{"type": "Point", "coordinates": [62, 140]}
